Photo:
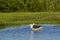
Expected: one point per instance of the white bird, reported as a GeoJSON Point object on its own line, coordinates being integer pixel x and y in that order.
{"type": "Point", "coordinates": [35, 27]}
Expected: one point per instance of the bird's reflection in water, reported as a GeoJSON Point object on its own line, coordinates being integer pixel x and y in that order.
{"type": "Point", "coordinates": [34, 35]}
{"type": "Point", "coordinates": [32, 38]}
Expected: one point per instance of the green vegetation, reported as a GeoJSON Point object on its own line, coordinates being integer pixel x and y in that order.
{"type": "Point", "coordinates": [18, 18]}
{"type": "Point", "coordinates": [29, 5]}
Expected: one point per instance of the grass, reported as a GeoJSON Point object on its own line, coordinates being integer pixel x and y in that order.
{"type": "Point", "coordinates": [18, 18]}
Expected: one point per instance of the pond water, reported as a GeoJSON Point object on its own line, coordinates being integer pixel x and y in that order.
{"type": "Point", "coordinates": [24, 32]}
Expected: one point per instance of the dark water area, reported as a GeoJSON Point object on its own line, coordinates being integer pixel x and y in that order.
{"type": "Point", "coordinates": [24, 32]}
